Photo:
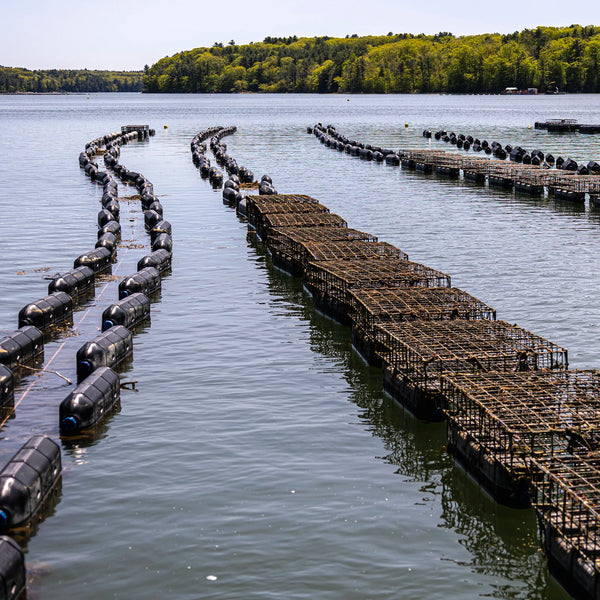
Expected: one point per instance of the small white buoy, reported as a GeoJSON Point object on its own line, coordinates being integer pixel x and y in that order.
{"type": "Point", "coordinates": [528, 126]}
{"type": "Point", "coordinates": [211, 577]}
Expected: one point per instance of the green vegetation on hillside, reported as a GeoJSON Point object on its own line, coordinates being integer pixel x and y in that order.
{"type": "Point", "coordinates": [14, 80]}
{"type": "Point", "coordinates": [567, 58]}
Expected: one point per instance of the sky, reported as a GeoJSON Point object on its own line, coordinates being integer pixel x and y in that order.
{"type": "Point", "coordinates": [127, 34]}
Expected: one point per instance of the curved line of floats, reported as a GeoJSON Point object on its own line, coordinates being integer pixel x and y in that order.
{"type": "Point", "coordinates": [556, 361]}
{"type": "Point", "coordinates": [33, 474]}
{"type": "Point", "coordinates": [516, 154]}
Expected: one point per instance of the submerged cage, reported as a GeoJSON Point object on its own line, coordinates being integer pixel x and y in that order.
{"type": "Point", "coordinates": [298, 219]}
{"type": "Point", "coordinates": [381, 305]}
{"type": "Point", "coordinates": [424, 351]}
{"type": "Point", "coordinates": [508, 422]}
{"type": "Point", "coordinates": [567, 501]}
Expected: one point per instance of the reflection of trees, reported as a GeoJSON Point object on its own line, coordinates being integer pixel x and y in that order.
{"type": "Point", "coordinates": [502, 542]}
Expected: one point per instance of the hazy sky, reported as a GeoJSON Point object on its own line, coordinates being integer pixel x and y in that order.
{"type": "Point", "coordinates": [127, 34]}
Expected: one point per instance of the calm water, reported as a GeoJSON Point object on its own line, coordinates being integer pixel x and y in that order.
{"type": "Point", "coordinates": [259, 457]}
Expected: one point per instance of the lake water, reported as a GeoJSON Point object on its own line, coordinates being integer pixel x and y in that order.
{"type": "Point", "coordinates": [259, 457]}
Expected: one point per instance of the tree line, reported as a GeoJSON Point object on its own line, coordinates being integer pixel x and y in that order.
{"type": "Point", "coordinates": [546, 58]}
{"type": "Point", "coordinates": [18, 80]}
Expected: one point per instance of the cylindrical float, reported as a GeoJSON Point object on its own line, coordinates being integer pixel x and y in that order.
{"type": "Point", "coordinates": [7, 386]}
{"type": "Point", "coordinates": [128, 311]}
{"type": "Point", "coordinates": [90, 401]}
{"type": "Point", "coordinates": [159, 259]}
{"type": "Point", "coordinates": [145, 281]}
{"type": "Point", "coordinates": [74, 282]}
{"type": "Point", "coordinates": [98, 260]}
{"type": "Point", "coordinates": [21, 346]}
{"type": "Point", "coordinates": [12, 569]}
{"type": "Point", "coordinates": [47, 311]}
{"type": "Point", "coordinates": [27, 479]}
{"type": "Point", "coordinates": [107, 349]}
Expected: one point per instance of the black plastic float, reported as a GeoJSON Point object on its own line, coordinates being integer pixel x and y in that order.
{"type": "Point", "coordinates": [107, 349]}
{"type": "Point", "coordinates": [43, 313]}
{"type": "Point", "coordinates": [159, 259]}
{"type": "Point", "coordinates": [7, 386]}
{"type": "Point", "coordinates": [26, 481]}
{"type": "Point", "coordinates": [12, 569]}
{"type": "Point", "coordinates": [128, 312]}
{"type": "Point", "coordinates": [21, 346]}
{"type": "Point", "coordinates": [146, 281]}
{"type": "Point", "coordinates": [75, 282]}
{"type": "Point", "coordinates": [98, 260]}
{"type": "Point", "coordinates": [90, 401]}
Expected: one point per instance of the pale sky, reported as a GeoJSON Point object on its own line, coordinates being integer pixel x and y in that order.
{"type": "Point", "coordinates": [127, 34]}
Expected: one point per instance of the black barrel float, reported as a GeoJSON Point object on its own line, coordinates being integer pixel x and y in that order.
{"type": "Point", "coordinates": [98, 260]}
{"type": "Point", "coordinates": [12, 569]}
{"type": "Point", "coordinates": [114, 208]}
{"type": "Point", "coordinates": [7, 386]}
{"type": "Point", "coordinates": [151, 218]}
{"type": "Point", "coordinates": [75, 282]}
{"type": "Point", "coordinates": [162, 226]}
{"type": "Point", "coordinates": [107, 349]}
{"type": "Point", "coordinates": [159, 259]}
{"type": "Point", "coordinates": [128, 311]}
{"type": "Point", "coordinates": [27, 479]}
{"type": "Point", "coordinates": [162, 241]}
{"type": "Point", "coordinates": [108, 240]}
{"type": "Point", "coordinates": [21, 346]}
{"type": "Point", "coordinates": [47, 311]}
{"type": "Point", "coordinates": [156, 206]}
{"type": "Point", "coordinates": [147, 281]}
{"type": "Point", "coordinates": [104, 216]}
{"type": "Point", "coordinates": [89, 402]}
{"type": "Point", "coordinates": [229, 194]}
{"type": "Point", "coordinates": [113, 227]}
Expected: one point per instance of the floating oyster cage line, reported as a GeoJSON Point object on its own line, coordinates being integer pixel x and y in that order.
{"type": "Point", "coordinates": [429, 349]}
{"type": "Point", "coordinates": [379, 305]}
{"type": "Point", "coordinates": [336, 279]}
{"type": "Point", "coordinates": [536, 175]}
{"type": "Point", "coordinates": [541, 414]}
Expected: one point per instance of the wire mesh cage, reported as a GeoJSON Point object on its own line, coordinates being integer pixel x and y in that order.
{"type": "Point", "coordinates": [269, 222]}
{"type": "Point", "coordinates": [526, 417]}
{"type": "Point", "coordinates": [382, 305]}
{"type": "Point", "coordinates": [567, 501]}
{"type": "Point", "coordinates": [424, 351]}
{"type": "Point", "coordinates": [336, 279]}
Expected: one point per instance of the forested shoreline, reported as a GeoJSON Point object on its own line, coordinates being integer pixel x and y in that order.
{"type": "Point", "coordinates": [14, 80]}
{"type": "Point", "coordinates": [546, 58]}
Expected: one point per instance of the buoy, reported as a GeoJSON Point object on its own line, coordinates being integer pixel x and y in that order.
{"type": "Point", "coordinates": [406, 125]}
{"type": "Point", "coordinates": [21, 346]}
{"type": "Point", "coordinates": [107, 349]}
{"type": "Point", "coordinates": [27, 479]}
{"type": "Point", "coordinates": [90, 401]}
{"type": "Point", "coordinates": [165, 126]}
{"type": "Point", "coordinates": [128, 312]}
{"type": "Point", "coordinates": [54, 308]}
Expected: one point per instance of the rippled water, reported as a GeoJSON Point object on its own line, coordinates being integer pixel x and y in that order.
{"type": "Point", "coordinates": [259, 457]}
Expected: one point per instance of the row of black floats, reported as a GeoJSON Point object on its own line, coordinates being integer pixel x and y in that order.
{"type": "Point", "coordinates": [31, 477]}
{"type": "Point", "coordinates": [98, 385]}
{"type": "Point", "coordinates": [515, 153]}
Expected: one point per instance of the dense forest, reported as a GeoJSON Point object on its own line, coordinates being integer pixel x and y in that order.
{"type": "Point", "coordinates": [545, 58]}
{"type": "Point", "coordinates": [15, 80]}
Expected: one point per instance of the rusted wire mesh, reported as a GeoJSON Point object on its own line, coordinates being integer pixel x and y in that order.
{"type": "Point", "coordinates": [302, 219]}
{"type": "Point", "coordinates": [334, 279]}
{"type": "Point", "coordinates": [567, 500]}
{"type": "Point", "coordinates": [534, 415]}
{"type": "Point", "coordinates": [424, 351]}
{"type": "Point", "coordinates": [381, 305]}
{"type": "Point", "coordinates": [258, 207]}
